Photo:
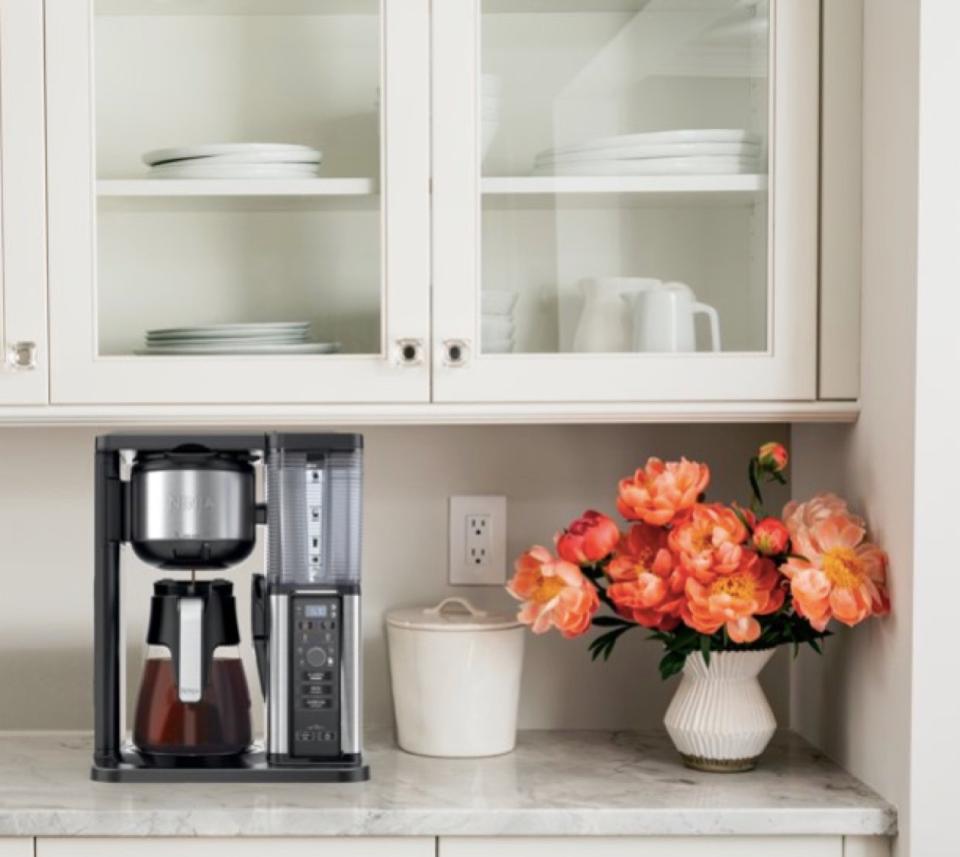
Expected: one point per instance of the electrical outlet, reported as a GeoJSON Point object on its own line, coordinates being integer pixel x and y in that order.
{"type": "Point", "coordinates": [478, 541]}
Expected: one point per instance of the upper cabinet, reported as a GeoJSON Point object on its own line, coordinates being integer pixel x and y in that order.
{"type": "Point", "coordinates": [147, 232]}
{"type": "Point", "coordinates": [23, 331]}
{"type": "Point", "coordinates": [625, 200]}
{"type": "Point", "coordinates": [501, 209]}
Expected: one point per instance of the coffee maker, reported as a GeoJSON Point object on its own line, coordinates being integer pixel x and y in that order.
{"type": "Point", "coordinates": [187, 505]}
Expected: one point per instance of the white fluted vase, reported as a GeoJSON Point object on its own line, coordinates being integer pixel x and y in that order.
{"type": "Point", "coordinates": [719, 719]}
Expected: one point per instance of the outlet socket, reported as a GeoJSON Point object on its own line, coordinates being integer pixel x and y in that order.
{"type": "Point", "coordinates": [478, 541]}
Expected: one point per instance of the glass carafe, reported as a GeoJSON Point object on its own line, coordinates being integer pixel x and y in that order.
{"type": "Point", "coordinates": [193, 699]}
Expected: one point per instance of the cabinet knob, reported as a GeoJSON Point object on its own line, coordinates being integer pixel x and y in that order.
{"type": "Point", "coordinates": [21, 356]}
{"type": "Point", "coordinates": [409, 352]}
{"type": "Point", "coordinates": [455, 352]}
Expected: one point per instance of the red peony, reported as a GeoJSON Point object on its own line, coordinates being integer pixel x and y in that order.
{"type": "Point", "coordinates": [588, 539]}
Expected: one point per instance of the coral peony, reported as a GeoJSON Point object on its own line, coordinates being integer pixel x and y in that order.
{"type": "Point", "coordinates": [773, 457]}
{"type": "Point", "coordinates": [708, 541]}
{"type": "Point", "coordinates": [588, 539]}
{"type": "Point", "coordinates": [735, 599]}
{"type": "Point", "coordinates": [658, 492]}
{"type": "Point", "coordinates": [770, 537]}
{"type": "Point", "coordinates": [837, 575]}
{"type": "Point", "coordinates": [645, 588]}
{"type": "Point", "coordinates": [800, 517]}
{"type": "Point", "coordinates": [555, 593]}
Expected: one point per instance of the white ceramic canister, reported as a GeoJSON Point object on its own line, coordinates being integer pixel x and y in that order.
{"type": "Point", "coordinates": [455, 672]}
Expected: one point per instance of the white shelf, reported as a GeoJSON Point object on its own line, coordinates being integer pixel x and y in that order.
{"type": "Point", "coordinates": [236, 7]}
{"type": "Point", "coordinates": [635, 190]}
{"type": "Point", "coordinates": [152, 187]}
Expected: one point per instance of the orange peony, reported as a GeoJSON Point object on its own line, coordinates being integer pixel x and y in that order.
{"type": "Point", "coordinates": [657, 493]}
{"type": "Point", "coordinates": [840, 576]}
{"type": "Point", "coordinates": [555, 594]}
{"type": "Point", "coordinates": [770, 537]}
{"type": "Point", "coordinates": [645, 588]}
{"type": "Point", "coordinates": [709, 540]}
{"type": "Point", "coordinates": [588, 539]}
{"type": "Point", "coordinates": [735, 599]}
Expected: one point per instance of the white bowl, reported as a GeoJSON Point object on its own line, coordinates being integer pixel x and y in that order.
{"type": "Point", "coordinates": [488, 131]}
{"type": "Point", "coordinates": [491, 84]}
{"type": "Point", "coordinates": [497, 327]}
{"type": "Point", "coordinates": [497, 346]}
{"type": "Point", "coordinates": [498, 302]}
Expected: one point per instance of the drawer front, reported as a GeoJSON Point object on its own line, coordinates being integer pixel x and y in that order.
{"type": "Point", "coordinates": [653, 846]}
{"type": "Point", "coordinates": [232, 847]}
{"type": "Point", "coordinates": [16, 847]}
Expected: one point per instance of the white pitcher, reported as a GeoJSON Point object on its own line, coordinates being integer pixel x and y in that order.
{"type": "Point", "coordinates": [604, 323]}
{"type": "Point", "coordinates": [664, 319]}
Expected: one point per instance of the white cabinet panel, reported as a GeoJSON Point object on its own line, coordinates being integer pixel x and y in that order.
{"type": "Point", "coordinates": [16, 847]}
{"type": "Point", "coordinates": [654, 846]}
{"type": "Point", "coordinates": [236, 847]}
{"type": "Point", "coordinates": [593, 237]}
{"type": "Point", "coordinates": [347, 250]}
{"type": "Point", "coordinates": [23, 316]}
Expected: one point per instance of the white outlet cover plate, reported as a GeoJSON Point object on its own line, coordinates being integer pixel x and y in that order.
{"type": "Point", "coordinates": [493, 571]}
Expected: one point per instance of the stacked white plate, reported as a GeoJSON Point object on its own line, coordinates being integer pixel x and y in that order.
{"type": "Point", "coordinates": [235, 161]}
{"type": "Point", "coordinates": [716, 151]}
{"type": "Point", "coordinates": [281, 337]}
{"type": "Point", "coordinates": [490, 102]}
{"type": "Point", "coordinates": [498, 328]}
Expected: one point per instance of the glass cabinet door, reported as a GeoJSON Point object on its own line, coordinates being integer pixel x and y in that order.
{"type": "Point", "coordinates": [23, 315]}
{"type": "Point", "coordinates": [239, 204]}
{"type": "Point", "coordinates": [625, 199]}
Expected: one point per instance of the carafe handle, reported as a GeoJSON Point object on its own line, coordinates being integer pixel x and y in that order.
{"type": "Point", "coordinates": [190, 652]}
{"type": "Point", "coordinates": [714, 319]}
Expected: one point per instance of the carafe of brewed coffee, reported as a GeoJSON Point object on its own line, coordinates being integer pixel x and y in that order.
{"type": "Point", "coordinates": [193, 699]}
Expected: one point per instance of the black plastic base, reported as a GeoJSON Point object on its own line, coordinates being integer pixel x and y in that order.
{"type": "Point", "coordinates": [250, 768]}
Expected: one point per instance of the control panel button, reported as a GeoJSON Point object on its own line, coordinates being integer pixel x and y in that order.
{"type": "Point", "coordinates": [317, 676]}
{"type": "Point", "coordinates": [316, 703]}
{"type": "Point", "coordinates": [316, 657]}
{"type": "Point", "coordinates": [318, 690]}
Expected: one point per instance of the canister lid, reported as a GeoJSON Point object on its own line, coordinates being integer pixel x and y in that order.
{"type": "Point", "coordinates": [451, 614]}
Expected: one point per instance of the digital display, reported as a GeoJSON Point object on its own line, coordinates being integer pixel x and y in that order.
{"type": "Point", "coordinates": [315, 611]}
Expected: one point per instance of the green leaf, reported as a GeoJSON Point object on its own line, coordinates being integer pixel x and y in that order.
{"type": "Point", "coordinates": [705, 648]}
{"type": "Point", "coordinates": [611, 622]}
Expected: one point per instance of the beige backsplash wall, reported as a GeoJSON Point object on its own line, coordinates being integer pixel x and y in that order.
{"type": "Point", "coordinates": [549, 475]}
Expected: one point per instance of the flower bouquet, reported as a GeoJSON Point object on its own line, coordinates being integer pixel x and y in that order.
{"type": "Point", "coordinates": [720, 586]}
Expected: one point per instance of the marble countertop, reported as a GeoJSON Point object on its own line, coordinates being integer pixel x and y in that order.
{"type": "Point", "coordinates": [555, 783]}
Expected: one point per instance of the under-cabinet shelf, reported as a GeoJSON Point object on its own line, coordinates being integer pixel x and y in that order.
{"type": "Point", "coordinates": [336, 187]}
{"type": "Point", "coordinates": [641, 190]}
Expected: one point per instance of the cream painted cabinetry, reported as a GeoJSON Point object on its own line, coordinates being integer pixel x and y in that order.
{"type": "Point", "coordinates": [235, 847]}
{"type": "Point", "coordinates": [492, 233]}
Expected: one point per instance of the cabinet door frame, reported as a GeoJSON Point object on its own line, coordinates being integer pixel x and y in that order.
{"type": "Point", "coordinates": [80, 375]}
{"type": "Point", "coordinates": [786, 371]}
{"type": "Point", "coordinates": [23, 248]}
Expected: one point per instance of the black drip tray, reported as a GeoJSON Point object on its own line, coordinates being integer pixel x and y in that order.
{"type": "Point", "coordinates": [249, 768]}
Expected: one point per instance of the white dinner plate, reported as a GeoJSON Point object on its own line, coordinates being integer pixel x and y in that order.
{"type": "Point", "coordinates": [206, 150]}
{"type": "Point", "coordinates": [692, 135]}
{"type": "Point", "coordinates": [655, 167]}
{"type": "Point", "coordinates": [262, 348]}
{"type": "Point", "coordinates": [201, 169]}
{"type": "Point", "coordinates": [153, 342]}
{"type": "Point", "coordinates": [232, 328]}
{"type": "Point", "coordinates": [653, 150]}
{"type": "Point", "coordinates": [316, 157]}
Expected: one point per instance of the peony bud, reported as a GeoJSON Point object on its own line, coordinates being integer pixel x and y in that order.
{"type": "Point", "coordinates": [588, 539]}
{"type": "Point", "coordinates": [771, 537]}
{"type": "Point", "coordinates": [773, 457]}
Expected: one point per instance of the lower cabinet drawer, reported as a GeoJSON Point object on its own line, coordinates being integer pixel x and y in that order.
{"type": "Point", "coordinates": [21, 846]}
{"type": "Point", "coordinates": [133, 846]}
{"type": "Point", "coordinates": [653, 846]}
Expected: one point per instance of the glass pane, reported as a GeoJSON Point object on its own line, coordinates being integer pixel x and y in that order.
{"type": "Point", "coordinates": [209, 232]}
{"type": "Point", "coordinates": [624, 162]}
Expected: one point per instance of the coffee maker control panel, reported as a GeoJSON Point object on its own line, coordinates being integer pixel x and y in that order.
{"type": "Point", "coordinates": [315, 688]}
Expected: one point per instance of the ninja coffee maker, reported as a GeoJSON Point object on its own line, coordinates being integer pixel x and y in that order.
{"type": "Point", "coordinates": [187, 505]}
